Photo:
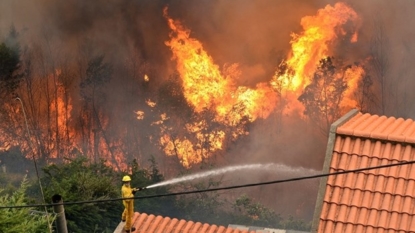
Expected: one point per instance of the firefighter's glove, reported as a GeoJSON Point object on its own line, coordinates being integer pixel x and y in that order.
{"type": "Point", "coordinates": [134, 191]}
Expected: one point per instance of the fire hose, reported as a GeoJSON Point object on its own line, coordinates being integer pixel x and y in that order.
{"type": "Point", "coordinates": [138, 189]}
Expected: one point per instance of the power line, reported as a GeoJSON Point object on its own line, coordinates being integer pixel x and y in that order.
{"type": "Point", "coordinates": [216, 189]}
{"type": "Point", "coordinates": [34, 161]}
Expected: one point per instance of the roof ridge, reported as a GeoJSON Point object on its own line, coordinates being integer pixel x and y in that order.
{"type": "Point", "coordinates": [379, 127]}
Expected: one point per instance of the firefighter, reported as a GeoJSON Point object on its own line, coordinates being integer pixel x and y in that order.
{"type": "Point", "coordinates": [128, 192]}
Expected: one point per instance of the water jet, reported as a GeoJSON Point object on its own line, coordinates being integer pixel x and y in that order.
{"type": "Point", "coordinates": [269, 167]}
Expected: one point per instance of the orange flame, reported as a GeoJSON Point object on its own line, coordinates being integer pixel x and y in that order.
{"type": "Point", "coordinates": [5, 147]}
{"type": "Point", "coordinates": [203, 83]}
{"type": "Point", "coordinates": [207, 87]}
{"type": "Point", "coordinates": [183, 149]}
{"type": "Point", "coordinates": [352, 75]}
{"type": "Point", "coordinates": [190, 153]}
{"type": "Point", "coordinates": [312, 45]}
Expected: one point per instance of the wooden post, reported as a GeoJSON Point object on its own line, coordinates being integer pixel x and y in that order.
{"type": "Point", "coordinates": [60, 214]}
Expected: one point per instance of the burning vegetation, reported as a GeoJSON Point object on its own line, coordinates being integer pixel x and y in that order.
{"type": "Point", "coordinates": [217, 109]}
{"type": "Point", "coordinates": [307, 75]}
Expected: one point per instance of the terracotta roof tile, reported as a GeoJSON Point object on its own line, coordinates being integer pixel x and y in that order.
{"type": "Point", "coordinates": [378, 200]}
{"type": "Point", "coordinates": [158, 224]}
{"type": "Point", "coordinates": [360, 181]}
{"type": "Point", "coordinates": [220, 229]}
{"type": "Point", "coordinates": [162, 225]}
{"type": "Point", "coordinates": [411, 134]}
{"type": "Point", "coordinates": [204, 227]}
{"type": "Point", "coordinates": [180, 225]}
{"type": "Point", "coordinates": [158, 221]}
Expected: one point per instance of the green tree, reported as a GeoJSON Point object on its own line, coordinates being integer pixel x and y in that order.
{"type": "Point", "coordinates": [17, 220]}
{"type": "Point", "coordinates": [80, 181]}
{"type": "Point", "coordinates": [143, 177]}
{"type": "Point", "coordinates": [250, 213]}
{"type": "Point", "coordinates": [296, 224]}
{"type": "Point", "coordinates": [202, 207]}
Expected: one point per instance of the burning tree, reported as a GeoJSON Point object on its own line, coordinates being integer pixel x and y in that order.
{"type": "Point", "coordinates": [323, 96]}
{"type": "Point", "coordinates": [380, 64]}
{"type": "Point", "coordinates": [364, 94]}
{"type": "Point", "coordinates": [189, 136]}
{"type": "Point", "coordinates": [9, 67]}
{"type": "Point", "coordinates": [98, 73]}
{"type": "Point", "coordinates": [10, 78]}
{"type": "Point", "coordinates": [221, 108]}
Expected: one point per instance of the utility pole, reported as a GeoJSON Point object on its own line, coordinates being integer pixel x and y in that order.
{"type": "Point", "coordinates": [60, 213]}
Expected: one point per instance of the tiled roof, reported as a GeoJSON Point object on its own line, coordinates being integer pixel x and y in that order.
{"type": "Point", "coordinates": [157, 224]}
{"type": "Point", "coordinates": [378, 200]}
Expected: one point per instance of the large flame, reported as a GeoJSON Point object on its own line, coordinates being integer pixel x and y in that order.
{"type": "Point", "coordinates": [352, 75]}
{"type": "Point", "coordinates": [190, 153]}
{"type": "Point", "coordinates": [315, 42]}
{"type": "Point", "coordinates": [206, 87]}
{"type": "Point", "coordinates": [203, 83]}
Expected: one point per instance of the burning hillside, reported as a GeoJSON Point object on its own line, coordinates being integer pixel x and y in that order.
{"type": "Point", "coordinates": [221, 106]}
{"type": "Point", "coordinates": [206, 87]}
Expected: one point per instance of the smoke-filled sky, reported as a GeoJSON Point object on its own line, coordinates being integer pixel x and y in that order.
{"type": "Point", "coordinates": [255, 34]}
{"type": "Point", "coordinates": [251, 33]}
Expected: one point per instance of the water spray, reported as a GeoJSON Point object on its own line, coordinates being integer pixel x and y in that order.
{"type": "Point", "coordinates": [267, 167]}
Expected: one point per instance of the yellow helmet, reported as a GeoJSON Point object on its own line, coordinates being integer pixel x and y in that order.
{"type": "Point", "coordinates": [126, 178]}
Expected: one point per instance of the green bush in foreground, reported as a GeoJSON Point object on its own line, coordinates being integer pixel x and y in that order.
{"type": "Point", "coordinates": [17, 220]}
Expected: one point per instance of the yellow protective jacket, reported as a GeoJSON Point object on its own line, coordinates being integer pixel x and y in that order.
{"type": "Point", "coordinates": [128, 206]}
{"type": "Point", "coordinates": [127, 192]}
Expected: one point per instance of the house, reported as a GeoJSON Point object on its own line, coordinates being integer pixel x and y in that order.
{"type": "Point", "coordinates": [377, 200]}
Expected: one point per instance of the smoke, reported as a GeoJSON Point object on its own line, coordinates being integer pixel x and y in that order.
{"type": "Point", "coordinates": [251, 33]}
{"type": "Point", "coordinates": [254, 34]}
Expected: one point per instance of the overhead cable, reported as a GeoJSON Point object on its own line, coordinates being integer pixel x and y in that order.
{"type": "Point", "coordinates": [219, 188]}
